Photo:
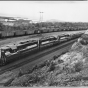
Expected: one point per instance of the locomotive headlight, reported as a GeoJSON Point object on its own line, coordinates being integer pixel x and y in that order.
{"type": "Point", "coordinates": [7, 53]}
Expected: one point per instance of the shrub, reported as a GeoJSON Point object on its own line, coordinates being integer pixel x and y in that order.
{"type": "Point", "coordinates": [60, 61]}
{"type": "Point", "coordinates": [55, 57]}
{"type": "Point", "coordinates": [42, 65]}
{"type": "Point", "coordinates": [78, 66]}
{"type": "Point", "coordinates": [52, 66]}
{"type": "Point", "coordinates": [20, 81]}
{"type": "Point", "coordinates": [20, 73]}
{"type": "Point", "coordinates": [83, 42]}
{"type": "Point", "coordinates": [68, 69]}
{"type": "Point", "coordinates": [7, 84]}
{"type": "Point", "coordinates": [53, 83]}
{"type": "Point", "coordinates": [76, 46]}
{"type": "Point", "coordinates": [45, 63]}
{"type": "Point", "coordinates": [30, 71]}
{"type": "Point", "coordinates": [63, 53]}
{"type": "Point", "coordinates": [35, 67]}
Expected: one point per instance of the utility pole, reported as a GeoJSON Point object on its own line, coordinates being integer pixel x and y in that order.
{"type": "Point", "coordinates": [40, 22]}
{"type": "Point", "coordinates": [41, 19]}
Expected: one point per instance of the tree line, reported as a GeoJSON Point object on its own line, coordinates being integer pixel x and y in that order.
{"type": "Point", "coordinates": [34, 26]}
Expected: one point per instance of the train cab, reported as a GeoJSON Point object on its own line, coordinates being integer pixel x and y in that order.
{"type": "Point", "coordinates": [8, 50]}
{"type": "Point", "coordinates": [5, 52]}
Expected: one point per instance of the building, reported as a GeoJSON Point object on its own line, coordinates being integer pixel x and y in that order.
{"type": "Point", "coordinates": [11, 21]}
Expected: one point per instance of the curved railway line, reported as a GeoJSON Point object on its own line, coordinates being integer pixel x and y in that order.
{"type": "Point", "coordinates": [35, 57]}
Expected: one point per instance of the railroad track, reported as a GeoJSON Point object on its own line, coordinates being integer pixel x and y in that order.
{"type": "Point", "coordinates": [32, 58]}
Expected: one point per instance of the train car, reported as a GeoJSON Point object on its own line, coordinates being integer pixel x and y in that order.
{"type": "Point", "coordinates": [10, 34]}
{"type": "Point", "coordinates": [63, 37]}
{"type": "Point", "coordinates": [47, 42]}
{"type": "Point", "coordinates": [31, 32]}
{"type": "Point", "coordinates": [38, 31]}
{"type": "Point", "coordinates": [77, 35]}
{"type": "Point", "coordinates": [44, 31]}
{"type": "Point", "coordinates": [25, 32]}
{"type": "Point", "coordinates": [50, 29]}
{"type": "Point", "coordinates": [19, 33]}
{"type": "Point", "coordinates": [4, 34]}
{"type": "Point", "coordinates": [55, 29]}
{"type": "Point", "coordinates": [25, 45]}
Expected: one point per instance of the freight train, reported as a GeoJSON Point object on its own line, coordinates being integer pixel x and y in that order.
{"type": "Point", "coordinates": [23, 48]}
{"type": "Point", "coordinates": [17, 33]}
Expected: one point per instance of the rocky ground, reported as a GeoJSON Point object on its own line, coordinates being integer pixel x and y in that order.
{"type": "Point", "coordinates": [69, 69]}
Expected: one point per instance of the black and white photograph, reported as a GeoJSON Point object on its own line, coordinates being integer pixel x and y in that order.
{"type": "Point", "coordinates": [43, 43]}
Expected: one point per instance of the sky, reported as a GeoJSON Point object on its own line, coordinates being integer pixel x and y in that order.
{"type": "Point", "coordinates": [70, 11]}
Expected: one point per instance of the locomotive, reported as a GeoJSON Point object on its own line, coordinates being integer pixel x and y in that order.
{"type": "Point", "coordinates": [19, 49]}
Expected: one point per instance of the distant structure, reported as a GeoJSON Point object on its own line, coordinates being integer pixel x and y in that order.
{"type": "Point", "coordinates": [13, 21]}
{"type": "Point", "coordinates": [41, 16]}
